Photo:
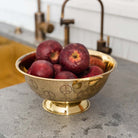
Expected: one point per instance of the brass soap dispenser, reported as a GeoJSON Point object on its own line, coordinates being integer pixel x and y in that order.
{"type": "Point", "coordinates": [42, 27]}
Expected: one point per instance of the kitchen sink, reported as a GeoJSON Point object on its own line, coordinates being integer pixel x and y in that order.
{"type": "Point", "coordinates": [10, 51]}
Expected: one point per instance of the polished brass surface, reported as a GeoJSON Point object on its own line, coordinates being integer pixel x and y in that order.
{"type": "Point", "coordinates": [65, 108]}
{"type": "Point", "coordinates": [65, 90]}
{"type": "Point", "coordinates": [101, 44]}
{"type": "Point", "coordinates": [41, 26]}
{"type": "Point", "coordinates": [66, 22]}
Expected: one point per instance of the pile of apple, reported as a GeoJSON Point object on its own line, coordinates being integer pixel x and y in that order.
{"type": "Point", "coordinates": [71, 62]}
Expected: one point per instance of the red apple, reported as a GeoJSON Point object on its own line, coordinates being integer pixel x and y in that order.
{"type": "Point", "coordinates": [42, 68]}
{"type": "Point", "coordinates": [57, 68]}
{"type": "Point", "coordinates": [94, 60]}
{"type": "Point", "coordinates": [29, 71]}
{"type": "Point", "coordinates": [92, 71]}
{"type": "Point", "coordinates": [74, 57]}
{"type": "Point", "coordinates": [65, 75]}
{"type": "Point", "coordinates": [49, 50]}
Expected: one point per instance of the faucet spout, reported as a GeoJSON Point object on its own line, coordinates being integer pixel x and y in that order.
{"type": "Point", "coordinates": [102, 19]}
{"type": "Point", "coordinates": [66, 22]}
{"type": "Point", "coordinates": [101, 44]}
{"type": "Point", "coordinates": [63, 7]}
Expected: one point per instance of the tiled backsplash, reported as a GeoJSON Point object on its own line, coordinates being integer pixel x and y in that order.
{"type": "Point", "coordinates": [121, 21]}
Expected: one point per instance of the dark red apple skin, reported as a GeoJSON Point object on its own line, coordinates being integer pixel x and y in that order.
{"type": "Point", "coordinates": [29, 71]}
{"type": "Point", "coordinates": [41, 68]}
{"type": "Point", "coordinates": [97, 61]}
{"type": "Point", "coordinates": [75, 58]}
{"type": "Point", "coordinates": [57, 68]}
{"type": "Point", "coordinates": [65, 75]}
{"type": "Point", "coordinates": [92, 71]}
{"type": "Point", "coordinates": [49, 50]}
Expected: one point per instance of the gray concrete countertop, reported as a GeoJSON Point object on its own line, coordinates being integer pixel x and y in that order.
{"type": "Point", "coordinates": [113, 112]}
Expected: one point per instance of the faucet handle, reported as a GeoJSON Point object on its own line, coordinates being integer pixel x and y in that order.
{"type": "Point", "coordinates": [109, 50]}
{"type": "Point", "coordinates": [66, 21]}
{"type": "Point", "coordinates": [108, 41]}
{"type": "Point", "coordinates": [46, 27]}
{"type": "Point", "coordinates": [50, 28]}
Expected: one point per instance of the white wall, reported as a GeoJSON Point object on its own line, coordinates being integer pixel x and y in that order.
{"type": "Point", "coordinates": [121, 21]}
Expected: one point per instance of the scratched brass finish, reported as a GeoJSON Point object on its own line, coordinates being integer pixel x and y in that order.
{"type": "Point", "coordinates": [66, 96]}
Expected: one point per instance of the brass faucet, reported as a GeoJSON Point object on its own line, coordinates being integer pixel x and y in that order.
{"type": "Point", "coordinates": [66, 22]}
{"type": "Point", "coordinates": [101, 44]}
{"type": "Point", "coordinates": [41, 26]}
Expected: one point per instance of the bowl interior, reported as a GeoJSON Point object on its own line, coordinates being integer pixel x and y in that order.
{"type": "Point", "coordinates": [24, 62]}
